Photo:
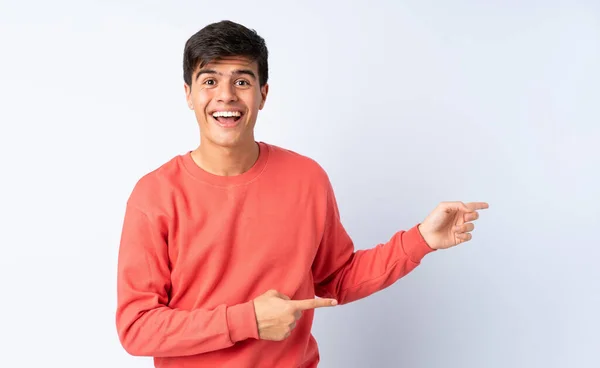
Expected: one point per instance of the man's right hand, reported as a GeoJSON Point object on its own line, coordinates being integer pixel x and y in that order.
{"type": "Point", "coordinates": [276, 314]}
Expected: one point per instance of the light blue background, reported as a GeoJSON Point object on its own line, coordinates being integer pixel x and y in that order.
{"type": "Point", "coordinates": [405, 104]}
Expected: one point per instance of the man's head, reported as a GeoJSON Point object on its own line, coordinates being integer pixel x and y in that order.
{"type": "Point", "coordinates": [225, 70]}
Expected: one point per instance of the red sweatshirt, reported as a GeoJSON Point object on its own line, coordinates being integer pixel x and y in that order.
{"type": "Point", "coordinates": [197, 248]}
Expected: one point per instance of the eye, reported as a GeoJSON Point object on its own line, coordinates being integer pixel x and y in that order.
{"type": "Point", "coordinates": [242, 83]}
{"type": "Point", "coordinates": [209, 82]}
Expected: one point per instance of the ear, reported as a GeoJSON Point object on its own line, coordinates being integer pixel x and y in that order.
{"type": "Point", "coordinates": [188, 95]}
{"type": "Point", "coordinates": [264, 90]}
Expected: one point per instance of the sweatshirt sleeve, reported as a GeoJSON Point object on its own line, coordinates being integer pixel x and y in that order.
{"type": "Point", "coordinates": [346, 274]}
{"type": "Point", "coordinates": [146, 325]}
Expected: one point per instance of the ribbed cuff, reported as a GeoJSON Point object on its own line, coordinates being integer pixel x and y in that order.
{"type": "Point", "coordinates": [415, 245]}
{"type": "Point", "coordinates": [241, 321]}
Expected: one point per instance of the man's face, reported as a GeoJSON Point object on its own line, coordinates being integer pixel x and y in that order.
{"type": "Point", "coordinates": [226, 97]}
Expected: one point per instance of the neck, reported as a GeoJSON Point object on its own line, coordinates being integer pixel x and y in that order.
{"type": "Point", "coordinates": [226, 161]}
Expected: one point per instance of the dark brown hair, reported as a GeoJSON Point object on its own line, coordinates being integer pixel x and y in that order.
{"type": "Point", "coordinates": [223, 39]}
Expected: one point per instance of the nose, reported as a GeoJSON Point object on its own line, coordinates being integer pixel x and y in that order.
{"type": "Point", "coordinates": [226, 93]}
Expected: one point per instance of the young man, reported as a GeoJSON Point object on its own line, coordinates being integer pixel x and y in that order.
{"type": "Point", "coordinates": [225, 247]}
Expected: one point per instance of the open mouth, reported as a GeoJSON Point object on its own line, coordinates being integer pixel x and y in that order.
{"type": "Point", "coordinates": [227, 118]}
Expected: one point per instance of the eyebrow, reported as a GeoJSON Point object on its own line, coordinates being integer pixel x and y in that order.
{"type": "Point", "coordinates": [235, 72]}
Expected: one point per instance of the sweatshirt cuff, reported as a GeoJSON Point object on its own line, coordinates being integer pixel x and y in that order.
{"type": "Point", "coordinates": [241, 321]}
{"type": "Point", "coordinates": [415, 245]}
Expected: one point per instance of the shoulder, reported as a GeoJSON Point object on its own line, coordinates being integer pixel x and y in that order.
{"type": "Point", "coordinates": [156, 186]}
{"type": "Point", "coordinates": [295, 164]}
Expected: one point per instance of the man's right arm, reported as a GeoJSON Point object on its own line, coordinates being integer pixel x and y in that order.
{"type": "Point", "coordinates": [146, 325]}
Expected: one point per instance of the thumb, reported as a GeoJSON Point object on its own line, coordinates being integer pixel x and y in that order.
{"type": "Point", "coordinates": [313, 303]}
{"type": "Point", "coordinates": [451, 207]}
{"type": "Point", "coordinates": [465, 207]}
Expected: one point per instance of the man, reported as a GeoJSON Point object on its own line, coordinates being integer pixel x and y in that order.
{"type": "Point", "coordinates": [225, 247]}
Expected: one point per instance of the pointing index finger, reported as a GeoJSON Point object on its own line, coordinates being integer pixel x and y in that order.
{"type": "Point", "coordinates": [313, 303]}
{"type": "Point", "coordinates": [474, 206]}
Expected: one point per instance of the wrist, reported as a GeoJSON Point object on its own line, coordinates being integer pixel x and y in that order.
{"type": "Point", "coordinates": [425, 234]}
{"type": "Point", "coordinates": [241, 321]}
{"type": "Point", "coordinates": [414, 245]}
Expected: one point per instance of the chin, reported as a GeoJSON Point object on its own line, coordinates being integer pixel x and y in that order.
{"type": "Point", "coordinates": [230, 141]}
{"type": "Point", "coordinates": [229, 138]}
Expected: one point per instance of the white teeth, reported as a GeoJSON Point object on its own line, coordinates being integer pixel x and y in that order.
{"type": "Point", "coordinates": [226, 114]}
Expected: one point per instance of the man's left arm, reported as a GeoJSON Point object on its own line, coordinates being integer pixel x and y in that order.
{"type": "Point", "coordinates": [346, 274]}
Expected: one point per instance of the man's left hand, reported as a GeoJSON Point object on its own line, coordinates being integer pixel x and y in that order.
{"type": "Point", "coordinates": [450, 224]}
